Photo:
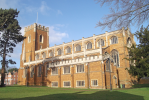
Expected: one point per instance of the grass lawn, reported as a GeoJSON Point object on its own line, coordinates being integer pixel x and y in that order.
{"type": "Point", "coordinates": [46, 93]}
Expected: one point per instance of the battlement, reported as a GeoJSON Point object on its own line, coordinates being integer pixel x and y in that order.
{"type": "Point", "coordinates": [43, 28]}
{"type": "Point", "coordinates": [29, 27]}
{"type": "Point", "coordinates": [36, 26]}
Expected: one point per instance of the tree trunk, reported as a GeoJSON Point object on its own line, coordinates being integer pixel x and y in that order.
{"type": "Point", "coordinates": [3, 66]}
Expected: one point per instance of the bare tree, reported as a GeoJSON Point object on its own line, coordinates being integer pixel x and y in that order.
{"type": "Point", "coordinates": [124, 13]}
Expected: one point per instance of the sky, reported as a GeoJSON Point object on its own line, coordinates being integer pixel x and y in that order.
{"type": "Point", "coordinates": [67, 19]}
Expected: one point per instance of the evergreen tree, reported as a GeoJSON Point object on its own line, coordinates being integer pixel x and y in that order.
{"type": "Point", "coordinates": [10, 36]}
{"type": "Point", "coordinates": [139, 54]}
{"type": "Point", "coordinates": [13, 69]}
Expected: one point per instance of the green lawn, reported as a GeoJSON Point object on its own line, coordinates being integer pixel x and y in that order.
{"type": "Point", "coordinates": [45, 93]}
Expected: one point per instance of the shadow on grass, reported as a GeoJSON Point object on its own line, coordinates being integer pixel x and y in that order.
{"type": "Point", "coordinates": [140, 85]}
{"type": "Point", "coordinates": [83, 95]}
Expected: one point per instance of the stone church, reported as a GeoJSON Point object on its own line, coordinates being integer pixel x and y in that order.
{"type": "Point", "coordinates": [95, 62]}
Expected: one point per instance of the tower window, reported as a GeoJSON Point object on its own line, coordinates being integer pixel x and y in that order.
{"type": "Point", "coordinates": [29, 38]}
{"type": "Point", "coordinates": [41, 39]}
{"type": "Point", "coordinates": [129, 44]}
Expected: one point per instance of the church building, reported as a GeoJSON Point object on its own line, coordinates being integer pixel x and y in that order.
{"type": "Point", "coordinates": [95, 62]}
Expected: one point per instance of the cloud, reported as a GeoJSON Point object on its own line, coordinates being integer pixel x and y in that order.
{"type": "Point", "coordinates": [60, 25]}
{"type": "Point", "coordinates": [31, 9]}
{"type": "Point", "coordinates": [17, 51]}
{"type": "Point", "coordinates": [22, 31]}
{"type": "Point", "coordinates": [44, 8]}
{"type": "Point", "coordinates": [59, 12]}
{"type": "Point", "coordinates": [56, 36]}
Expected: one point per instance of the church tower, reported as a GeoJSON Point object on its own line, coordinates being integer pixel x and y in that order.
{"type": "Point", "coordinates": [37, 37]}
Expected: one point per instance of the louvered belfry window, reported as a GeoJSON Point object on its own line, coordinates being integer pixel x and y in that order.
{"type": "Point", "coordinates": [40, 38]}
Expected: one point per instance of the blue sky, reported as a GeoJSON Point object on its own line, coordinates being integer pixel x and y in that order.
{"type": "Point", "coordinates": [67, 19]}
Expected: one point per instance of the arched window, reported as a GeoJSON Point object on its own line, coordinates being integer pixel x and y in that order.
{"type": "Point", "coordinates": [44, 55]}
{"type": "Point", "coordinates": [102, 42]}
{"type": "Point", "coordinates": [46, 67]}
{"type": "Point", "coordinates": [129, 43]}
{"type": "Point", "coordinates": [51, 54]}
{"type": "Point", "coordinates": [115, 56]}
{"type": "Point", "coordinates": [39, 71]}
{"type": "Point", "coordinates": [68, 50]}
{"type": "Point", "coordinates": [29, 38]}
{"type": "Point", "coordinates": [114, 40]}
{"type": "Point", "coordinates": [89, 45]}
{"type": "Point", "coordinates": [32, 71]}
{"type": "Point", "coordinates": [108, 65]}
{"type": "Point", "coordinates": [78, 48]}
{"type": "Point", "coordinates": [37, 57]}
{"type": "Point", "coordinates": [41, 38]}
{"type": "Point", "coordinates": [59, 52]}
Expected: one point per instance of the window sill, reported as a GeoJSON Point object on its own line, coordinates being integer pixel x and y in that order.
{"type": "Point", "coordinates": [80, 86]}
{"type": "Point", "coordinates": [53, 74]}
{"type": "Point", "coordinates": [79, 72]}
{"type": "Point", "coordinates": [89, 49]}
{"type": "Point", "coordinates": [77, 51]}
{"type": "Point", "coordinates": [67, 86]}
{"type": "Point", "coordinates": [94, 85]}
{"type": "Point", "coordinates": [58, 55]}
{"type": "Point", "coordinates": [68, 53]}
{"type": "Point", "coordinates": [66, 73]}
{"type": "Point", "coordinates": [54, 86]}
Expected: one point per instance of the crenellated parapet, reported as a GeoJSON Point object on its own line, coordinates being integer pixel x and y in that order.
{"type": "Point", "coordinates": [29, 27]}
{"type": "Point", "coordinates": [43, 28]}
{"type": "Point", "coordinates": [36, 26]}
